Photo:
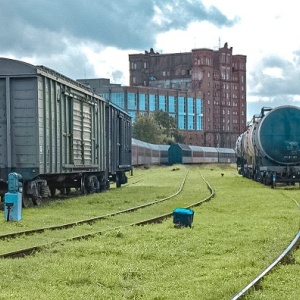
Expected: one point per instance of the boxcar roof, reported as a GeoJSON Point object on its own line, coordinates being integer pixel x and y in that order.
{"type": "Point", "coordinates": [17, 68]}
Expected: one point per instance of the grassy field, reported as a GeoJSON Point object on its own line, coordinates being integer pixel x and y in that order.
{"type": "Point", "coordinates": [233, 238]}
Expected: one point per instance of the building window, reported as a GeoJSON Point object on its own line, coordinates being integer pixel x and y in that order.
{"type": "Point", "coordinates": [181, 105]}
{"type": "Point", "coordinates": [132, 115]}
{"type": "Point", "coordinates": [118, 99]}
{"type": "Point", "coordinates": [131, 101]}
{"type": "Point", "coordinates": [181, 121]}
{"type": "Point", "coordinates": [152, 103]}
{"type": "Point", "coordinates": [199, 115]}
{"type": "Point", "coordinates": [190, 106]}
{"type": "Point", "coordinates": [191, 122]}
{"type": "Point", "coordinates": [142, 102]}
{"type": "Point", "coordinates": [162, 102]}
{"type": "Point", "coordinates": [172, 106]}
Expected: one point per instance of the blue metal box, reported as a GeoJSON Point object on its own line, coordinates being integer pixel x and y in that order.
{"type": "Point", "coordinates": [13, 205]}
{"type": "Point", "coordinates": [183, 217]}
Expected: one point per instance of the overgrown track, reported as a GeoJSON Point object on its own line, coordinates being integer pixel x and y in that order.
{"type": "Point", "coordinates": [90, 220]}
{"type": "Point", "coordinates": [29, 250]}
{"type": "Point", "coordinates": [286, 257]}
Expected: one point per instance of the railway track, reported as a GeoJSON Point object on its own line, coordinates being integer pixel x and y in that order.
{"type": "Point", "coordinates": [286, 257]}
{"type": "Point", "coordinates": [74, 231]}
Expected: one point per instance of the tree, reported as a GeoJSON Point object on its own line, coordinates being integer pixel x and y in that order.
{"type": "Point", "coordinates": [146, 129]}
{"type": "Point", "coordinates": [157, 129]}
{"type": "Point", "coordinates": [168, 126]}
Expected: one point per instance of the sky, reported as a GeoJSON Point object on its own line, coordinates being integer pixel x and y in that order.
{"type": "Point", "coordinates": [92, 39]}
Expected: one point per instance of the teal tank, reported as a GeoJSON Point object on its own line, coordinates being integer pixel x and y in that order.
{"type": "Point", "coordinates": [278, 135]}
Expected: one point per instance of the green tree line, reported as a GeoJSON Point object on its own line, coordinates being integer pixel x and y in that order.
{"type": "Point", "coordinates": [159, 128]}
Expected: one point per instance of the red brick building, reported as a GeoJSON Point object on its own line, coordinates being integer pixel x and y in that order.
{"type": "Point", "coordinates": [218, 75]}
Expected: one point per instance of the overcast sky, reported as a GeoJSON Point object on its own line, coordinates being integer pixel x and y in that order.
{"type": "Point", "coordinates": [88, 39]}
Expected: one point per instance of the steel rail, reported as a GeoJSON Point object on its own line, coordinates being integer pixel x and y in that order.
{"type": "Point", "coordinates": [281, 259]}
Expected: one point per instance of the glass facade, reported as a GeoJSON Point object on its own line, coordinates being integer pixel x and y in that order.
{"type": "Point", "coordinates": [132, 115]}
{"type": "Point", "coordinates": [188, 111]}
{"type": "Point", "coordinates": [118, 99]}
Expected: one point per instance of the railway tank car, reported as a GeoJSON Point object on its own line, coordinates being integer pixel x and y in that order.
{"type": "Point", "coordinates": [269, 151]}
{"type": "Point", "coordinates": [57, 134]}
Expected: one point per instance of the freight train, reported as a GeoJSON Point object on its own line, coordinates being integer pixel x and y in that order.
{"type": "Point", "coordinates": [150, 154]}
{"type": "Point", "coordinates": [57, 134]}
{"type": "Point", "coordinates": [269, 151]}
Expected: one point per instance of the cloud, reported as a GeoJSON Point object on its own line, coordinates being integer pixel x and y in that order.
{"type": "Point", "coordinates": [177, 14]}
{"type": "Point", "coordinates": [275, 76]}
{"type": "Point", "coordinates": [37, 26]}
{"type": "Point", "coordinates": [86, 39]}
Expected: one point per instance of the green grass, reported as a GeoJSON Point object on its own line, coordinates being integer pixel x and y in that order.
{"type": "Point", "coordinates": [144, 186]}
{"type": "Point", "coordinates": [234, 237]}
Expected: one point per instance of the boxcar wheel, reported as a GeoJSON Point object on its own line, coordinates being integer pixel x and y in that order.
{"type": "Point", "coordinates": [93, 185]}
{"type": "Point", "coordinates": [26, 201]}
{"type": "Point", "coordinates": [52, 191]}
{"type": "Point", "coordinates": [83, 188]}
{"type": "Point", "coordinates": [118, 180]}
{"type": "Point", "coordinates": [37, 201]}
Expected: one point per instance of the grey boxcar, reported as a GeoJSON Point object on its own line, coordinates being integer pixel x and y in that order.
{"type": "Point", "coordinates": [54, 132]}
{"type": "Point", "coordinates": [118, 144]}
